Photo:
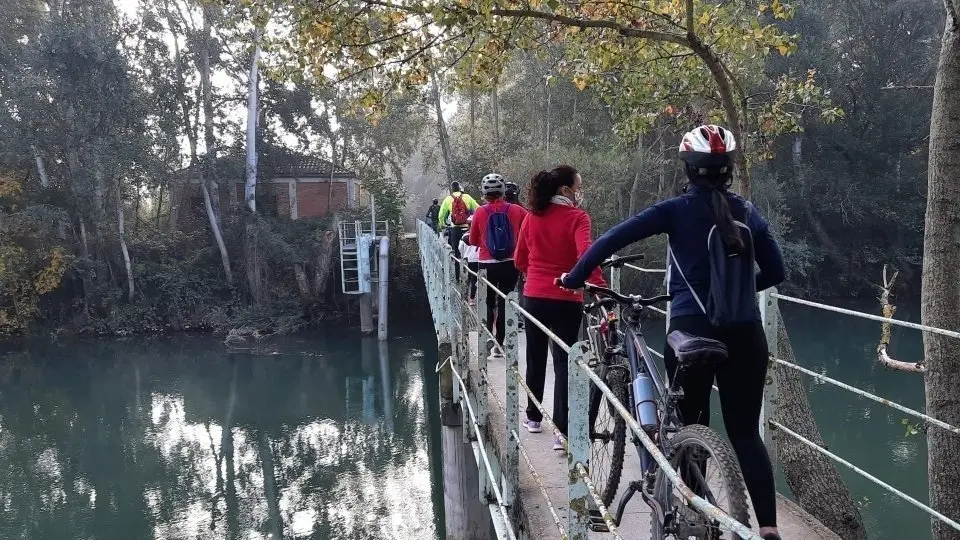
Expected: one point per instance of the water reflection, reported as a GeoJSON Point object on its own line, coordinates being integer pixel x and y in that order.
{"type": "Point", "coordinates": [178, 439]}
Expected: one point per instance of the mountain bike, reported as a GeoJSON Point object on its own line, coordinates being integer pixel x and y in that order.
{"type": "Point", "coordinates": [704, 461]}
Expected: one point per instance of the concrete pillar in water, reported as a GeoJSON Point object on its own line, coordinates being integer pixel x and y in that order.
{"type": "Point", "coordinates": [366, 314]}
{"type": "Point", "coordinates": [467, 517]}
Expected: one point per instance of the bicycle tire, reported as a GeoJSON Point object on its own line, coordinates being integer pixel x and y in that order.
{"type": "Point", "coordinates": [729, 467]}
{"type": "Point", "coordinates": [616, 380]}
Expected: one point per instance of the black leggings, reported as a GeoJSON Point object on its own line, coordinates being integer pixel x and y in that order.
{"type": "Point", "coordinates": [740, 381]}
{"type": "Point", "coordinates": [454, 234]}
{"type": "Point", "coordinates": [503, 276]}
{"type": "Point", "coordinates": [563, 318]}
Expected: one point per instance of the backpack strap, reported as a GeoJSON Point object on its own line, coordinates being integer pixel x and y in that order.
{"type": "Point", "coordinates": [672, 262]}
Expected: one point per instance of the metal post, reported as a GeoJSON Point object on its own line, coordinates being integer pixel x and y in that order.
{"type": "Point", "coordinates": [578, 440]}
{"type": "Point", "coordinates": [615, 284]}
{"type": "Point", "coordinates": [384, 286]}
{"type": "Point", "coordinates": [450, 309]}
{"type": "Point", "coordinates": [770, 314]}
{"type": "Point", "coordinates": [511, 462]}
{"type": "Point", "coordinates": [482, 293]}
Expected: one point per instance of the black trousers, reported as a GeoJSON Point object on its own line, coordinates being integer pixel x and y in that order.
{"type": "Point", "coordinates": [563, 319]}
{"type": "Point", "coordinates": [503, 276]}
{"type": "Point", "coordinates": [472, 279]}
{"type": "Point", "coordinates": [740, 381]}
{"type": "Point", "coordinates": [454, 234]}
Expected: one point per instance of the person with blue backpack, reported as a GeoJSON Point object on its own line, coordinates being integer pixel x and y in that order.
{"type": "Point", "coordinates": [717, 241]}
{"type": "Point", "coordinates": [494, 230]}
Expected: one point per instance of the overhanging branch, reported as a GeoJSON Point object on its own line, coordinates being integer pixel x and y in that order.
{"type": "Point", "coordinates": [565, 20]}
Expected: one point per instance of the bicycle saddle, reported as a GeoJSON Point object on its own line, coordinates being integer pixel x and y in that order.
{"type": "Point", "coordinates": [693, 350]}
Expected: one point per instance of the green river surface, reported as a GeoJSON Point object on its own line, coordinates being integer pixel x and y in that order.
{"type": "Point", "coordinates": [333, 436]}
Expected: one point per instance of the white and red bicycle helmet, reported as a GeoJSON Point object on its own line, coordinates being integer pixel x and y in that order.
{"type": "Point", "coordinates": [708, 150]}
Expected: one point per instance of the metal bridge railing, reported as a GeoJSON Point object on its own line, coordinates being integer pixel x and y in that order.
{"type": "Point", "coordinates": [769, 424]}
{"type": "Point", "coordinates": [459, 324]}
{"type": "Point", "coordinates": [448, 306]}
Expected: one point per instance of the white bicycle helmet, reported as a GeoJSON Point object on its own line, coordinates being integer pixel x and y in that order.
{"type": "Point", "coordinates": [493, 183]}
{"type": "Point", "coordinates": [708, 149]}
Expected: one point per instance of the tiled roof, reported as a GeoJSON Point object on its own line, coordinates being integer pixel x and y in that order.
{"type": "Point", "coordinates": [273, 164]}
{"type": "Point", "coordinates": [290, 165]}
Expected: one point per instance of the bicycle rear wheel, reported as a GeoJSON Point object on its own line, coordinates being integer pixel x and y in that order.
{"type": "Point", "coordinates": [708, 466]}
{"type": "Point", "coordinates": [608, 433]}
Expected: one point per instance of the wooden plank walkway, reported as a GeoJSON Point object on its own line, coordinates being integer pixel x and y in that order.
{"type": "Point", "coordinates": [535, 519]}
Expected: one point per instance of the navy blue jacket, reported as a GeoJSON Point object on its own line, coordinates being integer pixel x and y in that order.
{"type": "Point", "coordinates": [687, 220]}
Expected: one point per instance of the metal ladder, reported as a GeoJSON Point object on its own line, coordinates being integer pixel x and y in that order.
{"type": "Point", "coordinates": [358, 237]}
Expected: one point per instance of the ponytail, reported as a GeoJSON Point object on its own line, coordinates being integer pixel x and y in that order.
{"type": "Point", "coordinates": [717, 185]}
{"type": "Point", "coordinates": [545, 184]}
{"type": "Point", "coordinates": [729, 230]}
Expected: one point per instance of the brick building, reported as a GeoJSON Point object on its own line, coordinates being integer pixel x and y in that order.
{"type": "Point", "coordinates": [289, 185]}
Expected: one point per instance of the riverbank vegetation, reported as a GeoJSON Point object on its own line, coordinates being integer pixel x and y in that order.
{"type": "Point", "coordinates": [122, 138]}
{"type": "Point", "coordinates": [110, 110]}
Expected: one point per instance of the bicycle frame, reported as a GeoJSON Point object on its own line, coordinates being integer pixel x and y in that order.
{"type": "Point", "coordinates": [631, 344]}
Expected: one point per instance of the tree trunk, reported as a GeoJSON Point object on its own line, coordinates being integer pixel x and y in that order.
{"type": "Point", "coordinates": [159, 204]}
{"type": "Point", "coordinates": [730, 110]}
{"type": "Point", "coordinates": [547, 119]}
{"type": "Point", "coordinates": [473, 120]}
{"type": "Point", "coordinates": [635, 190]}
{"type": "Point", "coordinates": [333, 167]}
{"type": "Point", "coordinates": [211, 193]}
{"type": "Point", "coordinates": [123, 244]}
{"type": "Point", "coordinates": [814, 480]}
{"type": "Point", "coordinates": [940, 296]}
{"type": "Point", "coordinates": [830, 247]}
{"type": "Point", "coordinates": [250, 190]}
{"type": "Point", "coordinates": [442, 132]}
{"type": "Point", "coordinates": [324, 261]}
{"type": "Point", "coordinates": [41, 168]}
{"type": "Point", "coordinates": [253, 259]}
{"type": "Point", "coordinates": [275, 524]}
{"type": "Point", "coordinates": [495, 111]}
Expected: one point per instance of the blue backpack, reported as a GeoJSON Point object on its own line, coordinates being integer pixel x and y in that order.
{"type": "Point", "coordinates": [733, 282]}
{"type": "Point", "coordinates": [499, 238]}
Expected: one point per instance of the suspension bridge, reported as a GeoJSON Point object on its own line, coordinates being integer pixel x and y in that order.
{"type": "Point", "coordinates": [502, 482]}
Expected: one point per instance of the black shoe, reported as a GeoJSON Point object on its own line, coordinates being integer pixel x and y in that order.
{"type": "Point", "coordinates": [772, 536]}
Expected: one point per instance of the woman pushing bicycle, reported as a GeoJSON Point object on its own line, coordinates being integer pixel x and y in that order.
{"type": "Point", "coordinates": [715, 237]}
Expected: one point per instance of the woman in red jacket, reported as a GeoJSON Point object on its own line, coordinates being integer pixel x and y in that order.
{"type": "Point", "coordinates": [552, 239]}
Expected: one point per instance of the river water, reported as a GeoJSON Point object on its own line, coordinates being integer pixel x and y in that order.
{"type": "Point", "coordinates": [321, 436]}
{"type": "Point", "coordinates": [328, 436]}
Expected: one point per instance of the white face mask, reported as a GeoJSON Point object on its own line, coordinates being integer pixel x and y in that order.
{"type": "Point", "coordinates": [578, 197]}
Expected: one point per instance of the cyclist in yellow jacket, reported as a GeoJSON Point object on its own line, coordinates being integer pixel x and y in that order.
{"type": "Point", "coordinates": [454, 213]}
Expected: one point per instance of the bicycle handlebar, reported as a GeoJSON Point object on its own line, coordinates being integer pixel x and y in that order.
{"type": "Point", "coordinates": [627, 300]}
{"type": "Point", "coordinates": [618, 262]}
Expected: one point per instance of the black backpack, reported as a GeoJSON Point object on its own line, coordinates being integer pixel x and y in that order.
{"type": "Point", "coordinates": [733, 281]}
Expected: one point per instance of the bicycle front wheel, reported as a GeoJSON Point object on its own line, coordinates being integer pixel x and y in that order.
{"type": "Point", "coordinates": [608, 432]}
{"type": "Point", "coordinates": [707, 465]}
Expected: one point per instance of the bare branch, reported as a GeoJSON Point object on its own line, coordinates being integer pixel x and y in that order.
{"type": "Point", "coordinates": [907, 87]}
{"type": "Point", "coordinates": [691, 31]}
{"type": "Point", "coordinates": [885, 329]}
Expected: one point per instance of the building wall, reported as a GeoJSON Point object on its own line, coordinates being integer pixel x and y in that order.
{"type": "Point", "coordinates": [283, 197]}
{"type": "Point", "coordinates": [312, 198]}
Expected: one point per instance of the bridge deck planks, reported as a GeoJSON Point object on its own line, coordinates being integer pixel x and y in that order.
{"type": "Point", "coordinates": [535, 519]}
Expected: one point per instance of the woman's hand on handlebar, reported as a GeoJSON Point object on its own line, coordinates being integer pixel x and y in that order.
{"type": "Point", "coordinates": [559, 282]}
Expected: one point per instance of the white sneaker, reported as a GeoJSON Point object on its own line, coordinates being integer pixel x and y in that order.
{"type": "Point", "coordinates": [557, 444]}
{"type": "Point", "coordinates": [532, 427]}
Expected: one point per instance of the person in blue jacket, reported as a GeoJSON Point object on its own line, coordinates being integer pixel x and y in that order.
{"type": "Point", "coordinates": [688, 220]}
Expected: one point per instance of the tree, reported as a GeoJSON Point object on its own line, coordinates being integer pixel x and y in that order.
{"type": "Point", "coordinates": [940, 306]}
{"type": "Point", "coordinates": [637, 55]}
